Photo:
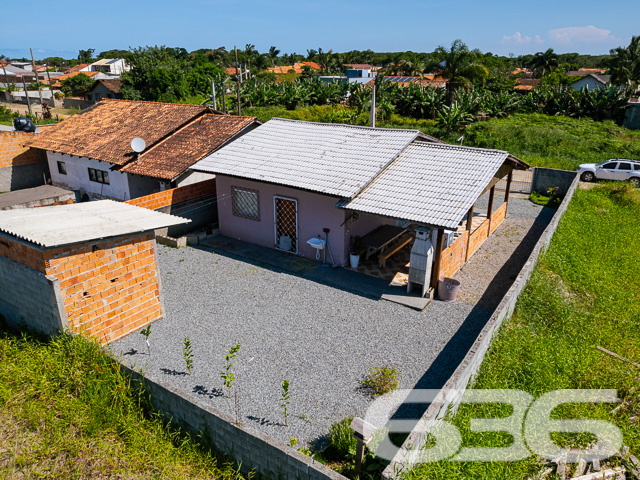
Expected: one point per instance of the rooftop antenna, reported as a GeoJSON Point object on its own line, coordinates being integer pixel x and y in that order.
{"type": "Point", "coordinates": [138, 145]}
{"type": "Point", "coordinates": [461, 139]}
{"type": "Point", "coordinates": [372, 120]}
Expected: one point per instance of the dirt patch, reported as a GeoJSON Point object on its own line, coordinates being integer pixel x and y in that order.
{"type": "Point", "coordinates": [495, 266]}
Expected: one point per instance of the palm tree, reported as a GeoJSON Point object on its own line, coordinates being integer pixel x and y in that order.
{"type": "Point", "coordinates": [460, 66]}
{"type": "Point", "coordinates": [273, 54]}
{"type": "Point", "coordinates": [625, 64]}
{"type": "Point", "coordinates": [544, 62]}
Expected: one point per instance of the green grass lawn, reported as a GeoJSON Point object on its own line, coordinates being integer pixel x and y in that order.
{"type": "Point", "coordinates": [67, 412]}
{"type": "Point", "coordinates": [584, 293]}
{"type": "Point", "coordinates": [540, 140]}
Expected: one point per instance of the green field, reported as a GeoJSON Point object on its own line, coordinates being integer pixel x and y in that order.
{"type": "Point", "coordinates": [66, 411]}
{"type": "Point", "coordinates": [584, 293]}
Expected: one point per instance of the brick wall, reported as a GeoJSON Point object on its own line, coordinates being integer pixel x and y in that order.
{"type": "Point", "coordinates": [498, 217]}
{"type": "Point", "coordinates": [453, 257]}
{"type": "Point", "coordinates": [109, 288]}
{"type": "Point", "coordinates": [12, 149]}
{"type": "Point", "coordinates": [175, 195]}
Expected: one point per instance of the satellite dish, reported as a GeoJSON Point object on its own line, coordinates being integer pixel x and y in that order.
{"type": "Point", "coordinates": [138, 145]}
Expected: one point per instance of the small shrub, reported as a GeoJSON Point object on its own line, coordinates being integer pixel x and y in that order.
{"type": "Point", "coordinates": [381, 380]}
{"type": "Point", "coordinates": [341, 438]}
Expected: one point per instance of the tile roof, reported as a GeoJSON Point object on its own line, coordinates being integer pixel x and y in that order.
{"type": "Point", "coordinates": [297, 67]}
{"type": "Point", "coordinates": [114, 85]}
{"type": "Point", "coordinates": [334, 159]}
{"type": "Point", "coordinates": [429, 183]}
{"type": "Point", "coordinates": [104, 131]}
{"type": "Point", "coordinates": [60, 78]}
{"type": "Point", "coordinates": [78, 67]}
{"type": "Point", "coordinates": [81, 222]}
{"type": "Point", "coordinates": [173, 156]}
{"type": "Point", "coordinates": [406, 81]}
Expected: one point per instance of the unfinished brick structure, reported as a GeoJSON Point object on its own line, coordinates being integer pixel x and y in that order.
{"type": "Point", "coordinates": [108, 283]}
{"type": "Point", "coordinates": [20, 166]}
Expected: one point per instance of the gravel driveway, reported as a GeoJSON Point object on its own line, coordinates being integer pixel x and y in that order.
{"type": "Point", "coordinates": [322, 339]}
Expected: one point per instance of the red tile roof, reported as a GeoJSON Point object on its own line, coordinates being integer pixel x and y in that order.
{"type": "Point", "coordinates": [58, 80]}
{"type": "Point", "coordinates": [173, 156]}
{"type": "Point", "coordinates": [176, 135]}
{"type": "Point", "coordinates": [297, 67]}
{"type": "Point", "coordinates": [112, 84]}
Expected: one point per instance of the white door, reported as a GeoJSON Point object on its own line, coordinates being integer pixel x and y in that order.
{"type": "Point", "coordinates": [607, 171]}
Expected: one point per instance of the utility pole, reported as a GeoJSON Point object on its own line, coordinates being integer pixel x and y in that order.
{"type": "Point", "coordinates": [33, 62]}
{"type": "Point", "coordinates": [26, 92]}
{"type": "Point", "coordinates": [6, 79]}
{"type": "Point", "coordinates": [372, 122]}
{"type": "Point", "coordinates": [213, 94]}
{"type": "Point", "coordinates": [237, 82]}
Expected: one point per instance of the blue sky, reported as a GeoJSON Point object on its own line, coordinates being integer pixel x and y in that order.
{"type": "Point", "coordinates": [62, 28]}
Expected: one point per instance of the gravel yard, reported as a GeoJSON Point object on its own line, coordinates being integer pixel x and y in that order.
{"type": "Point", "coordinates": [322, 339]}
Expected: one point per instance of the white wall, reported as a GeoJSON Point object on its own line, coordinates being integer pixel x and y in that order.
{"type": "Point", "coordinates": [191, 176]}
{"type": "Point", "coordinates": [77, 177]}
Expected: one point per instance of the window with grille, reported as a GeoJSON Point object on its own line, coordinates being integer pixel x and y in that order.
{"type": "Point", "coordinates": [245, 203]}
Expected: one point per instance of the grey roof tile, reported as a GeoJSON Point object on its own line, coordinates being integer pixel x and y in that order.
{"type": "Point", "coordinates": [430, 183]}
{"type": "Point", "coordinates": [329, 158]}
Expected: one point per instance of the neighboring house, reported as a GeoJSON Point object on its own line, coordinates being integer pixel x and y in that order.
{"type": "Point", "coordinates": [104, 89]}
{"type": "Point", "coordinates": [295, 68]}
{"type": "Point", "coordinates": [526, 84]}
{"type": "Point", "coordinates": [585, 71]}
{"type": "Point", "coordinates": [110, 66]}
{"type": "Point", "coordinates": [91, 152]}
{"type": "Point", "coordinates": [289, 182]}
{"type": "Point", "coordinates": [591, 82]}
{"type": "Point", "coordinates": [360, 73]}
{"type": "Point", "coordinates": [57, 82]}
{"type": "Point", "coordinates": [425, 81]}
{"type": "Point", "coordinates": [82, 67]}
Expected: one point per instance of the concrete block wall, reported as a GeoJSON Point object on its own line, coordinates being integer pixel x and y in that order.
{"type": "Point", "coordinates": [30, 298]}
{"type": "Point", "coordinates": [448, 400]}
{"type": "Point", "coordinates": [108, 288]}
{"type": "Point", "coordinates": [545, 178]}
{"type": "Point", "coordinates": [250, 448]}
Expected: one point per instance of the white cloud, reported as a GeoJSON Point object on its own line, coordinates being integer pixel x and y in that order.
{"type": "Point", "coordinates": [538, 40]}
{"type": "Point", "coordinates": [517, 39]}
{"type": "Point", "coordinates": [581, 35]}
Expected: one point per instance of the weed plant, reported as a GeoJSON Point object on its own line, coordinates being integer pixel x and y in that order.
{"type": "Point", "coordinates": [67, 411]}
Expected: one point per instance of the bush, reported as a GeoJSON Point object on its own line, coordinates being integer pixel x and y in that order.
{"type": "Point", "coordinates": [381, 380]}
{"type": "Point", "coordinates": [341, 437]}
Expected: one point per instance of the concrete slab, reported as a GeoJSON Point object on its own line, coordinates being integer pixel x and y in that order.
{"type": "Point", "coordinates": [342, 278]}
{"type": "Point", "coordinates": [417, 303]}
{"type": "Point", "coordinates": [35, 197]}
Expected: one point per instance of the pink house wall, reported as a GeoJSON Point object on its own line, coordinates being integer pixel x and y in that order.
{"type": "Point", "coordinates": [315, 212]}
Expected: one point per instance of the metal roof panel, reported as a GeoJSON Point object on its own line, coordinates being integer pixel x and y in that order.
{"type": "Point", "coordinates": [80, 222]}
